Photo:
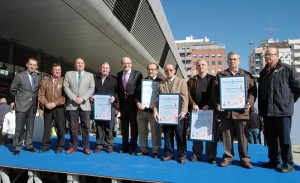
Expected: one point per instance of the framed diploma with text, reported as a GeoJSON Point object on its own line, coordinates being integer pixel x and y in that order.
{"type": "Point", "coordinates": [102, 107]}
{"type": "Point", "coordinates": [233, 92]}
{"type": "Point", "coordinates": [149, 92]}
{"type": "Point", "coordinates": [168, 108]}
{"type": "Point", "coordinates": [202, 125]}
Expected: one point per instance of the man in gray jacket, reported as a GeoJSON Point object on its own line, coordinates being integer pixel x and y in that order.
{"type": "Point", "coordinates": [79, 86]}
{"type": "Point", "coordinates": [24, 88]}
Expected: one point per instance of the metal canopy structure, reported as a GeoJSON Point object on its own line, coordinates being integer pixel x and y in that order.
{"type": "Point", "coordinates": [102, 30]}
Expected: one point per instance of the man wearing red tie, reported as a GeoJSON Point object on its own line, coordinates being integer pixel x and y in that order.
{"type": "Point", "coordinates": [129, 82]}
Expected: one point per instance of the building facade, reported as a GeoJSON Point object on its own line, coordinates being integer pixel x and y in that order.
{"type": "Point", "coordinates": [289, 53]}
{"type": "Point", "coordinates": [191, 50]}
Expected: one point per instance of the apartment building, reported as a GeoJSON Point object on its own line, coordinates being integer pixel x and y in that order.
{"type": "Point", "coordinates": [191, 50]}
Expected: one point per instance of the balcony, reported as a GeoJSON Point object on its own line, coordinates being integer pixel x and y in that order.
{"type": "Point", "coordinates": [296, 46]}
{"type": "Point", "coordinates": [188, 58]}
{"type": "Point", "coordinates": [188, 65]}
{"type": "Point", "coordinates": [298, 70]}
{"type": "Point", "coordinates": [188, 50]}
{"type": "Point", "coordinates": [296, 62]}
{"type": "Point", "coordinates": [296, 55]}
{"type": "Point", "coordinates": [189, 72]}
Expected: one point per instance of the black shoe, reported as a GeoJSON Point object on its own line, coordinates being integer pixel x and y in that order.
{"type": "Point", "coordinates": [270, 165]}
{"type": "Point", "coordinates": [124, 151]}
{"type": "Point", "coordinates": [31, 149]}
{"type": "Point", "coordinates": [142, 153]}
{"type": "Point", "coordinates": [16, 152]}
{"type": "Point", "coordinates": [43, 149]}
{"type": "Point", "coordinates": [155, 155]}
{"type": "Point", "coordinates": [58, 151]}
{"type": "Point", "coordinates": [194, 158]}
{"type": "Point", "coordinates": [285, 168]}
{"type": "Point", "coordinates": [212, 161]}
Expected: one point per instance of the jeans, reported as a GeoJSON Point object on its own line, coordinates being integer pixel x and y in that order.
{"type": "Point", "coordinates": [253, 136]}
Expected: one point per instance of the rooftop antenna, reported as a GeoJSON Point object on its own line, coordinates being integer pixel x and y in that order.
{"type": "Point", "coordinates": [270, 30]}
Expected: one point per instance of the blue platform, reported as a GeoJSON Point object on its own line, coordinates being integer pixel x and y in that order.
{"type": "Point", "coordinates": [145, 168]}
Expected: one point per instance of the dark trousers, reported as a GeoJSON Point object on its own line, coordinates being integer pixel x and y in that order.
{"type": "Point", "coordinates": [128, 116]}
{"type": "Point", "coordinates": [58, 115]}
{"type": "Point", "coordinates": [104, 132]}
{"type": "Point", "coordinates": [169, 131]}
{"type": "Point", "coordinates": [24, 119]}
{"type": "Point", "coordinates": [279, 128]}
{"type": "Point", "coordinates": [85, 128]}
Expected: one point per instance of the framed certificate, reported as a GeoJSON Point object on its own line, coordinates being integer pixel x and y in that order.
{"type": "Point", "coordinates": [233, 92]}
{"type": "Point", "coordinates": [168, 108]}
{"type": "Point", "coordinates": [149, 92]}
{"type": "Point", "coordinates": [102, 107]}
{"type": "Point", "coordinates": [202, 125]}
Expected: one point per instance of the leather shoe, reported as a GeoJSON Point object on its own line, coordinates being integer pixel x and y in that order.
{"type": "Point", "coordinates": [194, 158]}
{"type": "Point", "coordinates": [30, 149]}
{"type": "Point", "coordinates": [97, 150]}
{"type": "Point", "coordinates": [285, 168]}
{"type": "Point", "coordinates": [155, 155]}
{"type": "Point", "coordinates": [124, 151]}
{"type": "Point", "coordinates": [246, 164]}
{"type": "Point", "coordinates": [44, 149]}
{"type": "Point", "coordinates": [182, 160]}
{"type": "Point", "coordinates": [58, 151]}
{"type": "Point", "coordinates": [270, 165]}
{"type": "Point", "coordinates": [167, 158]}
{"type": "Point", "coordinates": [109, 150]}
{"type": "Point", "coordinates": [16, 152]}
{"type": "Point", "coordinates": [87, 151]}
{"type": "Point", "coordinates": [212, 161]}
{"type": "Point", "coordinates": [225, 163]}
{"type": "Point", "coordinates": [71, 150]}
{"type": "Point", "coordinates": [142, 153]}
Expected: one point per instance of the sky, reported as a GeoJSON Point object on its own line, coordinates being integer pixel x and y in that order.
{"type": "Point", "coordinates": [234, 23]}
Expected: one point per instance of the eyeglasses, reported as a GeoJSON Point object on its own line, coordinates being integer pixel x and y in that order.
{"type": "Point", "coordinates": [233, 59]}
{"type": "Point", "coordinates": [152, 69]}
{"type": "Point", "coordinates": [270, 54]}
{"type": "Point", "coordinates": [168, 70]}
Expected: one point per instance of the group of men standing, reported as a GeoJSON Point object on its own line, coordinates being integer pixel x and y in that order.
{"type": "Point", "coordinates": [279, 88]}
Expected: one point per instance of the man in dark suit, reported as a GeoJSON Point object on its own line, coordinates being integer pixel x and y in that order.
{"type": "Point", "coordinates": [129, 82]}
{"type": "Point", "coordinates": [105, 84]}
{"type": "Point", "coordinates": [173, 84]}
{"type": "Point", "coordinates": [25, 88]}
{"type": "Point", "coordinates": [145, 117]}
{"type": "Point", "coordinates": [79, 86]}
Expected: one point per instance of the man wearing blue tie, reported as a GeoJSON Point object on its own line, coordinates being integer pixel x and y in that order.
{"type": "Point", "coordinates": [25, 88]}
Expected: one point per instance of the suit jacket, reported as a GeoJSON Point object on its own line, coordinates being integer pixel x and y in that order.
{"type": "Point", "coordinates": [179, 86]}
{"type": "Point", "coordinates": [85, 90]}
{"type": "Point", "coordinates": [132, 88]}
{"type": "Point", "coordinates": [24, 94]}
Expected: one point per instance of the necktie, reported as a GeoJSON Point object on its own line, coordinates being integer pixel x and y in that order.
{"type": "Point", "coordinates": [32, 80]}
{"type": "Point", "coordinates": [125, 80]}
{"type": "Point", "coordinates": [151, 78]}
{"type": "Point", "coordinates": [79, 78]}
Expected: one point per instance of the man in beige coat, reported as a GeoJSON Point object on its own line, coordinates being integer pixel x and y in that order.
{"type": "Point", "coordinates": [174, 84]}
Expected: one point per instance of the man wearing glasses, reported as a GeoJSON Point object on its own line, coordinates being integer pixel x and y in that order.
{"type": "Point", "coordinates": [145, 117]}
{"type": "Point", "coordinates": [174, 84]}
{"type": "Point", "coordinates": [279, 89]}
{"type": "Point", "coordinates": [235, 120]}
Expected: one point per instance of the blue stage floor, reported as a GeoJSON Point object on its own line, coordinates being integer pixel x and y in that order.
{"type": "Point", "coordinates": [144, 168]}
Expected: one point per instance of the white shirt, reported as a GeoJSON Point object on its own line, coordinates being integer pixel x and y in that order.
{"type": "Point", "coordinates": [9, 123]}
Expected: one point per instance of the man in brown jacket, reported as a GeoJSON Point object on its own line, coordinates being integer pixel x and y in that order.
{"type": "Point", "coordinates": [52, 98]}
{"type": "Point", "coordinates": [235, 120]}
{"type": "Point", "coordinates": [173, 84]}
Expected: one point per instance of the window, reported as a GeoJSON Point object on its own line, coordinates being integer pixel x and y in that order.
{"type": "Point", "coordinates": [194, 56]}
{"type": "Point", "coordinates": [213, 62]}
{"type": "Point", "coordinates": [219, 70]}
{"type": "Point", "coordinates": [219, 55]}
{"type": "Point", "coordinates": [219, 62]}
{"type": "Point", "coordinates": [195, 72]}
{"type": "Point", "coordinates": [213, 71]}
{"type": "Point", "coordinates": [213, 55]}
{"type": "Point", "coordinates": [201, 56]}
{"type": "Point", "coordinates": [195, 63]}
{"type": "Point", "coordinates": [207, 62]}
{"type": "Point", "coordinates": [206, 55]}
